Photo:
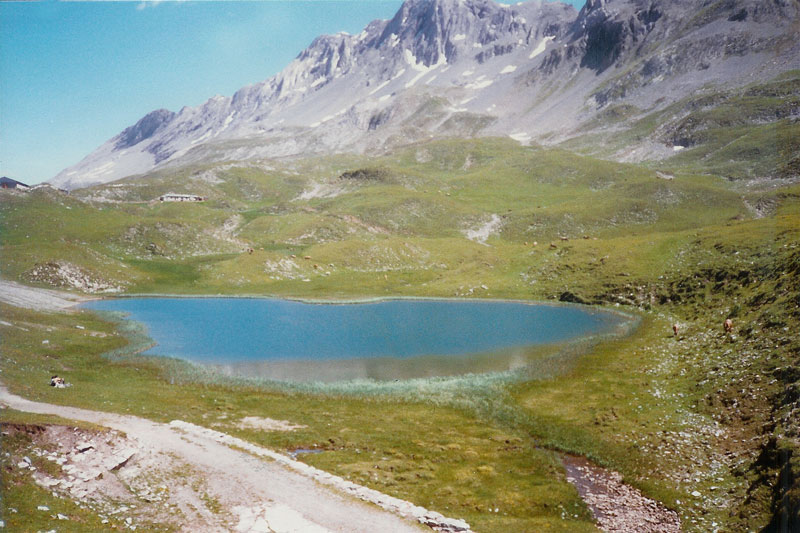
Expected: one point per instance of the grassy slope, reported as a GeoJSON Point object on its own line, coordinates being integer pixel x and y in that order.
{"type": "Point", "coordinates": [687, 249]}
{"type": "Point", "coordinates": [751, 133]}
{"type": "Point", "coordinates": [408, 225]}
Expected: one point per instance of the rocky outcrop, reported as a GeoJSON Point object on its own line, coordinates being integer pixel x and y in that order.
{"type": "Point", "coordinates": [65, 274]}
{"type": "Point", "coordinates": [144, 129]}
{"type": "Point", "coordinates": [652, 41]}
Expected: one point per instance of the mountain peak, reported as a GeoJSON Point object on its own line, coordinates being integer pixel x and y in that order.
{"type": "Point", "coordinates": [431, 29]}
{"type": "Point", "coordinates": [145, 128]}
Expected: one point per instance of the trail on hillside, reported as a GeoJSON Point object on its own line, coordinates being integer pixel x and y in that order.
{"type": "Point", "coordinates": [256, 494]}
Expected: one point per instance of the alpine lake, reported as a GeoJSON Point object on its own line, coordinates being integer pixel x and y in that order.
{"type": "Point", "coordinates": [380, 340]}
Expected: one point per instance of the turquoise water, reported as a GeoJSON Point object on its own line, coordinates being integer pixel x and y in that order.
{"type": "Point", "coordinates": [293, 340]}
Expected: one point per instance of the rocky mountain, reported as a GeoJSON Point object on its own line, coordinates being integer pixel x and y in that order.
{"type": "Point", "coordinates": [535, 71]}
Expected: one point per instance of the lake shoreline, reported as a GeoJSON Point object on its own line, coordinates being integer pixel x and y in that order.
{"type": "Point", "coordinates": [614, 309]}
{"type": "Point", "coordinates": [275, 354]}
{"type": "Point", "coordinates": [60, 300]}
{"type": "Point", "coordinates": [184, 370]}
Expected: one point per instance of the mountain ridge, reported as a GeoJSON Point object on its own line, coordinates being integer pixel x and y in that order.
{"type": "Point", "coordinates": [535, 71]}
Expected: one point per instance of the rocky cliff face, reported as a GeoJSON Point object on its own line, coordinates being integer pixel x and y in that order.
{"type": "Point", "coordinates": [708, 42]}
{"type": "Point", "coordinates": [144, 129]}
{"type": "Point", "coordinates": [534, 71]}
{"type": "Point", "coordinates": [602, 35]}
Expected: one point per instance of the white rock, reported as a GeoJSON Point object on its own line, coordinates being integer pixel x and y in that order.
{"type": "Point", "coordinates": [260, 526]}
{"type": "Point", "coordinates": [84, 446]}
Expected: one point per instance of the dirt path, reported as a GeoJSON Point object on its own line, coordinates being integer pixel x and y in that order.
{"type": "Point", "coordinates": [38, 299]}
{"type": "Point", "coordinates": [256, 493]}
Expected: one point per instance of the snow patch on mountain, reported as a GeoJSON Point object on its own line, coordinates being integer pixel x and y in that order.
{"type": "Point", "coordinates": [521, 137]}
{"type": "Point", "coordinates": [480, 83]}
{"type": "Point", "coordinates": [420, 67]}
{"type": "Point", "coordinates": [541, 47]}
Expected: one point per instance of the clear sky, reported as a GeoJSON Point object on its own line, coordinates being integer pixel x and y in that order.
{"type": "Point", "coordinates": [74, 74]}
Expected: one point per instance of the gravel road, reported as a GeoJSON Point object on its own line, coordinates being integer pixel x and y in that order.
{"type": "Point", "coordinates": [266, 495]}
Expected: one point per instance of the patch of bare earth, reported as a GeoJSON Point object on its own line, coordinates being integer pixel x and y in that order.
{"type": "Point", "coordinates": [485, 230]}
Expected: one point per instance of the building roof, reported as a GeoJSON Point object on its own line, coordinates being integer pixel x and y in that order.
{"type": "Point", "coordinates": [8, 182]}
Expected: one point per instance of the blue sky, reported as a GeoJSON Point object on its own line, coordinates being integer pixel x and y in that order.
{"type": "Point", "coordinates": [74, 74]}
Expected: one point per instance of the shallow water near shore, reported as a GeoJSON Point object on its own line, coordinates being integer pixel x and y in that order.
{"type": "Point", "coordinates": [384, 340]}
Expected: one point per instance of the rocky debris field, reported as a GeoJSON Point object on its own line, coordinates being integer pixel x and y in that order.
{"type": "Point", "coordinates": [618, 507]}
{"type": "Point", "coordinates": [107, 473]}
